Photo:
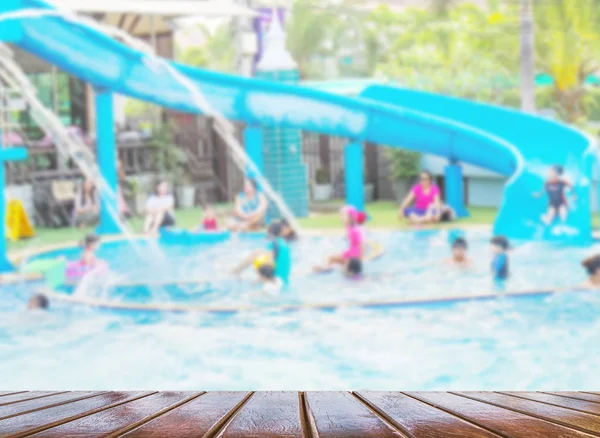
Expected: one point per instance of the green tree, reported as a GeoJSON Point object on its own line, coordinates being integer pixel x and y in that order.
{"type": "Point", "coordinates": [466, 51]}
{"type": "Point", "coordinates": [309, 34]}
{"type": "Point", "coordinates": [568, 48]}
{"type": "Point", "coordinates": [217, 52]}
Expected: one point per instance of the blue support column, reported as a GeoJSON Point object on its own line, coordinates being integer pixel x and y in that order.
{"type": "Point", "coordinates": [106, 150]}
{"type": "Point", "coordinates": [11, 154]}
{"type": "Point", "coordinates": [354, 174]}
{"type": "Point", "coordinates": [253, 141]}
{"type": "Point", "coordinates": [454, 189]}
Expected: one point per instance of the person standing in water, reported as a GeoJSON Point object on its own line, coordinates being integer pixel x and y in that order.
{"type": "Point", "coordinates": [500, 267]}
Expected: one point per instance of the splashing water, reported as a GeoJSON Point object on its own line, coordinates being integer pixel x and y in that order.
{"type": "Point", "coordinates": [223, 127]}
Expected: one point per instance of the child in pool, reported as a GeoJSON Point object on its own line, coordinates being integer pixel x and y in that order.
{"type": "Point", "coordinates": [352, 219]}
{"type": "Point", "coordinates": [209, 221]}
{"type": "Point", "coordinates": [91, 242]}
{"type": "Point", "coordinates": [38, 302]}
{"type": "Point", "coordinates": [459, 254]}
{"type": "Point", "coordinates": [500, 247]}
{"type": "Point", "coordinates": [287, 232]}
{"type": "Point", "coordinates": [556, 187]}
{"type": "Point", "coordinates": [88, 261]}
{"type": "Point", "coordinates": [273, 264]}
{"type": "Point", "coordinates": [592, 266]}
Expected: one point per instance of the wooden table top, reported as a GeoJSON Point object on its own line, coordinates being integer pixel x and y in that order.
{"type": "Point", "coordinates": [304, 414]}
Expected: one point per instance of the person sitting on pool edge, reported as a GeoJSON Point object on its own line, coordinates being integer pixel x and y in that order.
{"type": "Point", "coordinates": [459, 254]}
{"type": "Point", "coordinates": [273, 265]}
{"type": "Point", "coordinates": [209, 219]}
{"type": "Point", "coordinates": [500, 267]}
{"type": "Point", "coordinates": [592, 266]}
{"type": "Point", "coordinates": [426, 197]}
{"type": "Point", "coordinates": [250, 208]}
{"type": "Point", "coordinates": [159, 207]}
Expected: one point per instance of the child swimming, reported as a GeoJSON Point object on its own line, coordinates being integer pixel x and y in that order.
{"type": "Point", "coordinates": [88, 262]}
{"type": "Point", "coordinates": [500, 247]}
{"type": "Point", "coordinates": [38, 302]}
{"type": "Point", "coordinates": [556, 187]}
{"type": "Point", "coordinates": [592, 266]}
{"type": "Point", "coordinates": [352, 219]}
{"type": "Point", "coordinates": [209, 220]}
{"type": "Point", "coordinates": [459, 254]}
{"type": "Point", "coordinates": [273, 265]}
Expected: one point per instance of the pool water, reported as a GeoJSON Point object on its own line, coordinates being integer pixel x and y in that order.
{"type": "Point", "coordinates": [538, 343]}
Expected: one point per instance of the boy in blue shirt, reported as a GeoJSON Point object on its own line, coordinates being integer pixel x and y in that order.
{"type": "Point", "coordinates": [273, 265]}
{"type": "Point", "coordinates": [500, 247]}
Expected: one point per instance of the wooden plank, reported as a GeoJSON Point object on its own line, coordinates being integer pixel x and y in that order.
{"type": "Point", "coordinates": [340, 414]}
{"type": "Point", "coordinates": [5, 393]}
{"type": "Point", "coordinates": [267, 414]}
{"type": "Point", "coordinates": [44, 403]}
{"type": "Point", "coordinates": [555, 414]}
{"type": "Point", "coordinates": [36, 421]}
{"type": "Point", "coordinates": [120, 417]}
{"type": "Point", "coordinates": [559, 400]}
{"type": "Point", "coordinates": [499, 420]}
{"type": "Point", "coordinates": [16, 398]}
{"type": "Point", "coordinates": [577, 395]}
{"type": "Point", "coordinates": [193, 419]}
{"type": "Point", "coordinates": [419, 419]}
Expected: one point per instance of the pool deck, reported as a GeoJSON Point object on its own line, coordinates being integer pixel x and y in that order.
{"type": "Point", "coordinates": [304, 414]}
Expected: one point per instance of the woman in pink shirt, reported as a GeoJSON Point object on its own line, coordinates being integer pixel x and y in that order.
{"type": "Point", "coordinates": [427, 203]}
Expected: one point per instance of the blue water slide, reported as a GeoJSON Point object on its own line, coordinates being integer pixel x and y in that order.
{"type": "Point", "coordinates": [507, 142]}
{"type": "Point", "coordinates": [538, 144]}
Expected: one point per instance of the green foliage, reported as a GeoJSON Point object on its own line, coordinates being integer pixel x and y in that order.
{"type": "Point", "coordinates": [169, 159]}
{"type": "Point", "coordinates": [568, 48]}
{"type": "Point", "coordinates": [217, 52]}
{"type": "Point", "coordinates": [404, 164]}
{"type": "Point", "coordinates": [459, 51]}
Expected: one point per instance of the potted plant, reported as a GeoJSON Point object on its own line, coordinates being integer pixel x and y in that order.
{"type": "Point", "coordinates": [172, 161]}
{"type": "Point", "coordinates": [405, 166]}
{"type": "Point", "coordinates": [185, 191]}
{"type": "Point", "coordinates": [322, 188]}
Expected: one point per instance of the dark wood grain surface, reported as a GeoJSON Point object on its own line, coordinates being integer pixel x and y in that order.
{"type": "Point", "coordinates": [305, 414]}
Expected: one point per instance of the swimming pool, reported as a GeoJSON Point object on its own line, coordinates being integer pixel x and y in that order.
{"type": "Point", "coordinates": [547, 343]}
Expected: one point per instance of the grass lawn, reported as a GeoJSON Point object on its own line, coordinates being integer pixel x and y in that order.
{"type": "Point", "coordinates": [383, 215]}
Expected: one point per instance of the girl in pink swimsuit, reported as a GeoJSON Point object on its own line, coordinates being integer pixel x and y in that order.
{"type": "Point", "coordinates": [88, 262]}
{"type": "Point", "coordinates": [353, 219]}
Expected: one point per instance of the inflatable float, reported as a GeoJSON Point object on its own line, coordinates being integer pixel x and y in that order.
{"type": "Point", "coordinates": [60, 272]}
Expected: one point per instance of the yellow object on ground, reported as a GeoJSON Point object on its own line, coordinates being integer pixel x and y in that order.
{"type": "Point", "coordinates": [17, 222]}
